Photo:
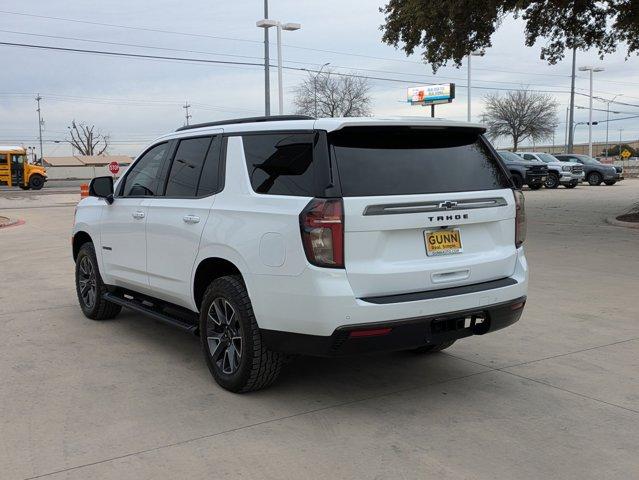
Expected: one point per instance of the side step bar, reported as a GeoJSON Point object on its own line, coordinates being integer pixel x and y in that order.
{"type": "Point", "coordinates": [154, 313]}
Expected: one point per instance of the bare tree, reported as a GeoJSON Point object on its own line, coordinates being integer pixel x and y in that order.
{"type": "Point", "coordinates": [331, 95]}
{"type": "Point", "coordinates": [86, 140]}
{"type": "Point", "coordinates": [520, 114]}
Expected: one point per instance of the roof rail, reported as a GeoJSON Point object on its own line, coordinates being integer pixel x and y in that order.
{"type": "Point", "coordinates": [273, 118]}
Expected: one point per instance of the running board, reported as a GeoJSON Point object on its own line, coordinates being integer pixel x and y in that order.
{"type": "Point", "coordinates": [151, 312]}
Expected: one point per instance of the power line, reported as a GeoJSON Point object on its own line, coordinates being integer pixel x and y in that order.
{"type": "Point", "coordinates": [137, 45]}
{"type": "Point", "coordinates": [217, 37]}
{"type": "Point", "coordinates": [145, 29]}
{"type": "Point", "coordinates": [236, 63]}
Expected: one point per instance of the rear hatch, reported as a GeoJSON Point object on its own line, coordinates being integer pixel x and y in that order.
{"type": "Point", "coordinates": [405, 188]}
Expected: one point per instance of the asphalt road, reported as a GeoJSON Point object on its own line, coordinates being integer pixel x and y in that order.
{"type": "Point", "coordinates": [554, 396]}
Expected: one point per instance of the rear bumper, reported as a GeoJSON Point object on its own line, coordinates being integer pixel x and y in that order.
{"type": "Point", "coordinates": [400, 334]}
{"type": "Point", "coordinates": [320, 302]}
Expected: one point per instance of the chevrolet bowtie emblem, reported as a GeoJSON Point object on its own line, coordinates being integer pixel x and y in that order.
{"type": "Point", "coordinates": [447, 204]}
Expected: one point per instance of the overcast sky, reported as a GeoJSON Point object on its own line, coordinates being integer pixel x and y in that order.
{"type": "Point", "coordinates": [136, 100]}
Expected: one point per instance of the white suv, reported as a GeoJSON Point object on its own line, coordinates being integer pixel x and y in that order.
{"type": "Point", "coordinates": [290, 235]}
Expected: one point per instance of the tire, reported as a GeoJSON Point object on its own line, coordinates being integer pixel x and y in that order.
{"type": "Point", "coordinates": [610, 182]}
{"type": "Point", "coordinates": [552, 181]}
{"type": "Point", "coordinates": [535, 186]}
{"type": "Point", "coordinates": [595, 179]}
{"type": "Point", "coordinates": [90, 287]}
{"type": "Point", "coordinates": [36, 182]}
{"type": "Point", "coordinates": [433, 348]}
{"type": "Point", "coordinates": [231, 339]}
{"type": "Point", "coordinates": [571, 185]}
{"type": "Point", "coordinates": [518, 181]}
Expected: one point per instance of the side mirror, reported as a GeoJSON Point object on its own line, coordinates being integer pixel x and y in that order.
{"type": "Point", "coordinates": [102, 187]}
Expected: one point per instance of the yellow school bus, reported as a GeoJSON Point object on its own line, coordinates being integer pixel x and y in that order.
{"type": "Point", "coordinates": [15, 170]}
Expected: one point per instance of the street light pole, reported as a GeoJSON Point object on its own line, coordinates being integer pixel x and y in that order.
{"type": "Point", "coordinates": [470, 55]}
{"type": "Point", "coordinates": [280, 87]}
{"type": "Point", "coordinates": [266, 24]}
{"type": "Point", "coordinates": [267, 68]}
{"type": "Point", "coordinates": [591, 70]}
{"type": "Point", "coordinates": [571, 138]}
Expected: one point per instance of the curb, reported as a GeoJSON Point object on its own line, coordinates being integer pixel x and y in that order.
{"type": "Point", "coordinates": [619, 223]}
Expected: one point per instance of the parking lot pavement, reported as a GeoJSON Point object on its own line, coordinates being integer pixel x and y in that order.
{"type": "Point", "coordinates": [554, 396]}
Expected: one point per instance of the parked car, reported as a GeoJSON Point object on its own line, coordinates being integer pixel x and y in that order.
{"type": "Point", "coordinates": [524, 172]}
{"type": "Point", "coordinates": [595, 171]}
{"type": "Point", "coordinates": [286, 235]}
{"type": "Point", "coordinates": [568, 174]}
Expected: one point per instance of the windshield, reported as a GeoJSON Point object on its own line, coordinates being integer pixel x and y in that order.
{"type": "Point", "coordinates": [546, 157]}
{"type": "Point", "coordinates": [588, 160]}
{"type": "Point", "coordinates": [509, 156]}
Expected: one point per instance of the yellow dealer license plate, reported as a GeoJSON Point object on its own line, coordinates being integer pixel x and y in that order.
{"type": "Point", "coordinates": [443, 242]}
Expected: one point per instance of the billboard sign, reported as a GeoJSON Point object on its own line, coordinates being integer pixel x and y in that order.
{"type": "Point", "coordinates": [431, 94]}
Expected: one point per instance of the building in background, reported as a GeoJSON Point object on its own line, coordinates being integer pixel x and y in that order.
{"type": "Point", "coordinates": [83, 166]}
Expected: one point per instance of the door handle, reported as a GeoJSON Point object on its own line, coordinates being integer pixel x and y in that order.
{"type": "Point", "coordinates": [191, 218]}
{"type": "Point", "coordinates": [138, 215]}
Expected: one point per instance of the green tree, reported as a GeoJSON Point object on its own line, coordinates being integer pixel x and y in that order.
{"type": "Point", "coordinates": [448, 30]}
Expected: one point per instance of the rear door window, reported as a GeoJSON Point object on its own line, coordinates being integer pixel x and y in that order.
{"type": "Point", "coordinates": [281, 163]}
{"type": "Point", "coordinates": [186, 168]}
{"type": "Point", "coordinates": [407, 160]}
{"type": "Point", "coordinates": [212, 180]}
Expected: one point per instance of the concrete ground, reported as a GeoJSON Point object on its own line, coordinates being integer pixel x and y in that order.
{"type": "Point", "coordinates": [554, 396]}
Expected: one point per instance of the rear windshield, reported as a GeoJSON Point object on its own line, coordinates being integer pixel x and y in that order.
{"type": "Point", "coordinates": [404, 161]}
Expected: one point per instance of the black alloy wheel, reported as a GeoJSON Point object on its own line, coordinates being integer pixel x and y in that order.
{"type": "Point", "coordinates": [552, 181]}
{"type": "Point", "coordinates": [594, 179]}
{"type": "Point", "coordinates": [87, 282]}
{"type": "Point", "coordinates": [224, 336]}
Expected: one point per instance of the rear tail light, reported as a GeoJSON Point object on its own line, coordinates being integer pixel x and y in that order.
{"type": "Point", "coordinates": [520, 218]}
{"type": "Point", "coordinates": [322, 227]}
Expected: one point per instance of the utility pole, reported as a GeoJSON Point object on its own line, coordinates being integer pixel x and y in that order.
{"type": "Point", "coordinates": [470, 55]}
{"type": "Point", "coordinates": [608, 102]}
{"type": "Point", "coordinates": [267, 68]}
{"type": "Point", "coordinates": [571, 119]}
{"type": "Point", "coordinates": [187, 115]}
{"type": "Point", "coordinates": [38, 98]}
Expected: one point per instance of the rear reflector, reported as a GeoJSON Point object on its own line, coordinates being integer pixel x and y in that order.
{"type": "Point", "coordinates": [517, 306]}
{"type": "Point", "coordinates": [376, 332]}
